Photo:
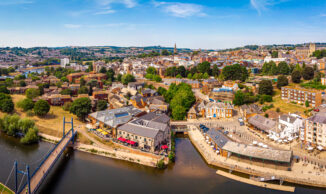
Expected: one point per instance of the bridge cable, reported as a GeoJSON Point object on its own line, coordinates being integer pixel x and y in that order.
{"type": "Point", "coordinates": [21, 181]}
{"type": "Point", "coordinates": [43, 157]}
{"type": "Point", "coordinates": [8, 178]}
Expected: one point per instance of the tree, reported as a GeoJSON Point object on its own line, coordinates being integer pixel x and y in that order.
{"type": "Point", "coordinates": [83, 90]}
{"type": "Point", "coordinates": [151, 70]}
{"type": "Point", "coordinates": [282, 80]}
{"type": "Point", "coordinates": [238, 98]}
{"type": "Point", "coordinates": [307, 103]}
{"type": "Point", "coordinates": [110, 75]}
{"type": "Point", "coordinates": [3, 89]}
{"type": "Point", "coordinates": [22, 83]}
{"type": "Point", "coordinates": [296, 76]}
{"type": "Point", "coordinates": [7, 105]}
{"type": "Point", "coordinates": [66, 92]}
{"type": "Point", "coordinates": [26, 104]}
{"type": "Point", "coordinates": [181, 70]}
{"type": "Point", "coordinates": [283, 68]}
{"type": "Point", "coordinates": [119, 77]}
{"type": "Point", "coordinates": [82, 82]}
{"type": "Point", "coordinates": [189, 76]}
{"type": "Point", "coordinates": [66, 106]}
{"type": "Point", "coordinates": [275, 54]}
{"type": "Point", "coordinates": [215, 71]}
{"type": "Point", "coordinates": [32, 93]}
{"type": "Point", "coordinates": [274, 69]}
{"type": "Point", "coordinates": [179, 112]}
{"type": "Point", "coordinates": [127, 78]}
{"type": "Point", "coordinates": [161, 91]}
{"type": "Point", "coordinates": [41, 108]}
{"type": "Point", "coordinates": [157, 78]}
{"type": "Point", "coordinates": [204, 67]}
{"type": "Point", "coordinates": [30, 137]}
{"type": "Point", "coordinates": [81, 107]}
{"type": "Point", "coordinates": [308, 73]}
{"type": "Point", "coordinates": [235, 72]}
{"type": "Point", "coordinates": [102, 105]}
{"type": "Point", "coordinates": [103, 70]}
{"type": "Point", "coordinates": [266, 87]}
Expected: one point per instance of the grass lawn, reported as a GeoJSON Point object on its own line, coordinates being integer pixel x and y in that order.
{"type": "Point", "coordinates": [285, 106]}
{"type": "Point", "coordinates": [50, 124]}
{"type": "Point", "coordinates": [5, 190]}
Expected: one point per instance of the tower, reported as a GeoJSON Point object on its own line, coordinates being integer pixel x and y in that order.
{"type": "Point", "coordinates": [175, 49]}
{"type": "Point", "coordinates": [312, 48]}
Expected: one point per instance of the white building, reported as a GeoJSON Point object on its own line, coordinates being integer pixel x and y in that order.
{"type": "Point", "coordinates": [290, 126]}
{"type": "Point", "coordinates": [64, 62]}
{"type": "Point", "coordinates": [269, 59]}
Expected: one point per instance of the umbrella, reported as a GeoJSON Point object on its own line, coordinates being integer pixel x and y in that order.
{"type": "Point", "coordinates": [265, 146]}
{"type": "Point", "coordinates": [320, 147]}
{"type": "Point", "coordinates": [254, 142]}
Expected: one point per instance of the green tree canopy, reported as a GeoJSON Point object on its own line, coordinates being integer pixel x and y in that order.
{"type": "Point", "coordinates": [127, 78]}
{"type": "Point", "coordinates": [308, 73]}
{"type": "Point", "coordinates": [282, 80]}
{"type": "Point", "coordinates": [296, 76]}
{"type": "Point", "coordinates": [266, 87]}
{"type": "Point", "coordinates": [283, 68]}
{"type": "Point", "coordinates": [32, 93]}
{"type": "Point", "coordinates": [102, 105]}
{"type": "Point", "coordinates": [235, 72]}
{"type": "Point", "coordinates": [81, 107]}
{"type": "Point", "coordinates": [41, 108]}
{"type": "Point", "coordinates": [26, 104]}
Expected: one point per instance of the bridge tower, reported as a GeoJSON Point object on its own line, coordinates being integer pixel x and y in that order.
{"type": "Point", "coordinates": [64, 127]}
{"type": "Point", "coordinates": [23, 173]}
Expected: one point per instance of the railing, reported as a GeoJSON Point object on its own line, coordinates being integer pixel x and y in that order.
{"type": "Point", "coordinates": [47, 156]}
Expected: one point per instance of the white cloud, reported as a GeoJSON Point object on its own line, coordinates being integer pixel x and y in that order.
{"type": "Point", "coordinates": [105, 11]}
{"type": "Point", "coordinates": [323, 15]}
{"type": "Point", "coordinates": [72, 26]}
{"type": "Point", "coordinates": [262, 5]}
{"type": "Point", "coordinates": [127, 3]}
{"type": "Point", "coordinates": [180, 9]}
{"type": "Point", "coordinates": [15, 2]}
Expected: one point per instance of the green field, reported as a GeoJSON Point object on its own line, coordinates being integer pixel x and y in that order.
{"type": "Point", "coordinates": [5, 190]}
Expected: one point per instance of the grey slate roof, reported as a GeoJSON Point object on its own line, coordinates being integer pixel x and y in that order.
{"type": "Point", "coordinates": [138, 130]}
{"type": "Point", "coordinates": [262, 123]}
{"type": "Point", "coordinates": [318, 118]}
{"type": "Point", "coordinates": [115, 117]}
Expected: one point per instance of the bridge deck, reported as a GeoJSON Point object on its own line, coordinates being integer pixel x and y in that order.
{"type": "Point", "coordinates": [48, 163]}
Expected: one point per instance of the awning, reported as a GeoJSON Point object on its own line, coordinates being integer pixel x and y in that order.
{"type": "Point", "coordinates": [122, 139]}
{"type": "Point", "coordinates": [164, 147]}
{"type": "Point", "coordinates": [132, 142]}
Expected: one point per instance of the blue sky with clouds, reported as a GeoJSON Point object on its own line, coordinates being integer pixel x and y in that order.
{"type": "Point", "coordinates": [206, 24]}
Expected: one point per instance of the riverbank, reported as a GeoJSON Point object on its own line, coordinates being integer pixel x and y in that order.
{"type": "Point", "coordinates": [256, 183]}
{"type": "Point", "coordinates": [300, 174]}
{"type": "Point", "coordinates": [126, 155]}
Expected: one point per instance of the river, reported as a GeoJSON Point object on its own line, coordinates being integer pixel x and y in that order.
{"type": "Point", "coordinates": [78, 172]}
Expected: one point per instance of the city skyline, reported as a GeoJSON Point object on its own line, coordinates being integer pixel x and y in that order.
{"type": "Point", "coordinates": [191, 24]}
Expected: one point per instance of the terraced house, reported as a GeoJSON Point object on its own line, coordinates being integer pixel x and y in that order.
{"type": "Point", "coordinates": [216, 110]}
{"type": "Point", "coordinates": [148, 132]}
{"type": "Point", "coordinates": [315, 131]}
{"type": "Point", "coordinates": [301, 95]}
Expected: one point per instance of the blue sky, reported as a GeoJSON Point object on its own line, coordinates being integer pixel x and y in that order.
{"type": "Point", "coordinates": [210, 24]}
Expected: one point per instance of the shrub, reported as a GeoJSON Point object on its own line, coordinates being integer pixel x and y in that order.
{"type": "Point", "coordinates": [160, 164]}
{"type": "Point", "coordinates": [41, 108]}
{"type": "Point", "coordinates": [26, 104]}
{"type": "Point", "coordinates": [67, 106]}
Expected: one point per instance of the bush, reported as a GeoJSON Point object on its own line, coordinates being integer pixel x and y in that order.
{"type": "Point", "coordinates": [30, 137]}
{"type": "Point", "coordinates": [81, 107]}
{"type": "Point", "coordinates": [161, 164]}
{"type": "Point", "coordinates": [41, 108]}
{"type": "Point", "coordinates": [101, 105]}
{"type": "Point", "coordinates": [30, 113]}
{"type": "Point", "coordinates": [278, 110]}
{"type": "Point", "coordinates": [32, 93]}
{"type": "Point", "coordinates": [7, 105]}
{"type": "Point", "coordinates": [67, 106]}
{"type": "Point", "coordinates": [26, 104]}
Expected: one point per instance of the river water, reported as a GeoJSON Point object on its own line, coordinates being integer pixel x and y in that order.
{"type": "Point", "coordinates": [78, 172]}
